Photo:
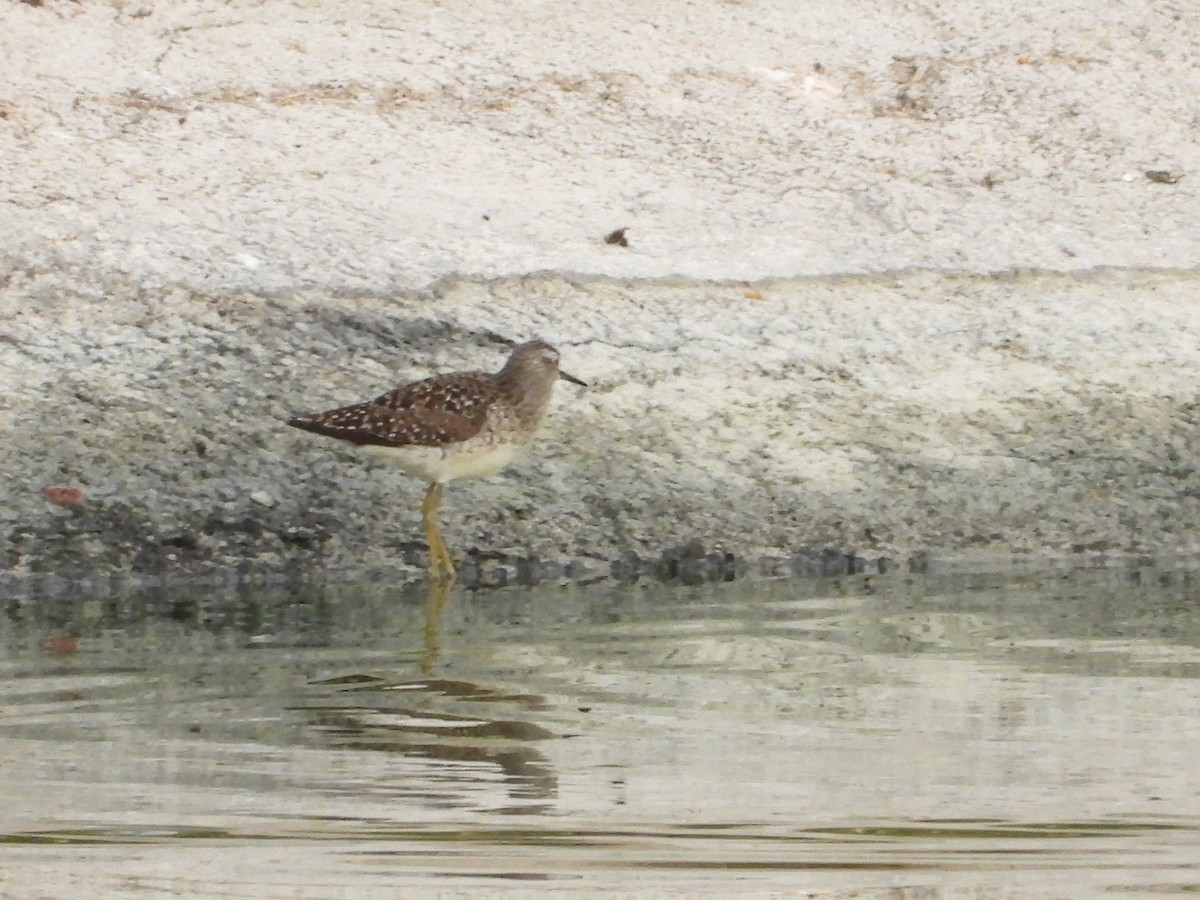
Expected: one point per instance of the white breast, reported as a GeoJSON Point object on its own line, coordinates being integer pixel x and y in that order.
{"type": "Point", "coordinates": [468, 460]}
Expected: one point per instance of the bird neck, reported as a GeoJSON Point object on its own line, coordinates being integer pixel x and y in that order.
{"type": "Point", "coordinates": [530, 393]}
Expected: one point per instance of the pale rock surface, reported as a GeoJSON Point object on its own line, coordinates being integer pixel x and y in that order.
{"type": "Point", "coordinates": [903, 279]}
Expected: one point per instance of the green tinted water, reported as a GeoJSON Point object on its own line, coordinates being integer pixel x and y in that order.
{"type": "Point", "coordinates": [967, 737]}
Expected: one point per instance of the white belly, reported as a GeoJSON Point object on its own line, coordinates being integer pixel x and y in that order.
{"type": "Point", "coordinates": [439, 464]}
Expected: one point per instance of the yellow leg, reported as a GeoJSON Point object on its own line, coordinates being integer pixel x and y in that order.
{"type": "Point", "coordinates": [439, 555]}
{"type": "Point", "coordinates": [439, 590]}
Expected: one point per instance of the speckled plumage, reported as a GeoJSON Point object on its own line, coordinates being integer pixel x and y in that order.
{"type": "Point", "coordinates": [461, 425]}
{"type": "Point", "coordinates": [463, 415]}
{"type": "Point", "coordinates": [435, 412]}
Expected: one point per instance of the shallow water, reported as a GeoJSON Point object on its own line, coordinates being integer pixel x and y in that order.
{"type": "Point", "coordinates": [971, 737]}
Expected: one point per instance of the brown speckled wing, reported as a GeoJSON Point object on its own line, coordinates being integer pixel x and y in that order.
{"type": "Point", "coordinates": [465, 394]}
{"type": "Point", "coordinates": [382, 426]}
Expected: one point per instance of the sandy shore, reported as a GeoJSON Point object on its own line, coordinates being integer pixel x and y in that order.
{"type": "Point", "coordinates": [904, 285]}
{"type": "Point", "coordinates": [891, 417]}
